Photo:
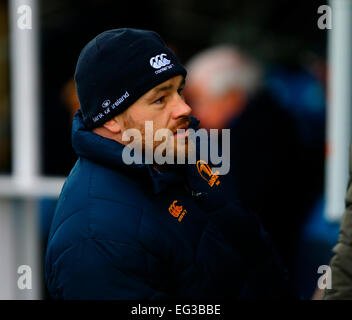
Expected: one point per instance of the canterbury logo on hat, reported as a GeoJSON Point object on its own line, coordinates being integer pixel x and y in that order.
{"type": "Point", "coordinates": [159, 61]}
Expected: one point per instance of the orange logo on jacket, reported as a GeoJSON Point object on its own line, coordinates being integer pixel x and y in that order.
{"type": "Point", "coordinates": [207, 174]}
{"type": "Point", "coordinates": [177, 211]}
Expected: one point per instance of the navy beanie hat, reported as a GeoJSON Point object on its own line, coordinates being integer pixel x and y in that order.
{"type": "Point", "coordinates": [117, 67]}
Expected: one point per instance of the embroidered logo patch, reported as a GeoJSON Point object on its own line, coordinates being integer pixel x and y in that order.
{"type": "Point", "coordinates": [207, 173]}
{"type": "Point", "coordinates": [177, 211]}
{"type": "Point", "coordinates": [159, 61]}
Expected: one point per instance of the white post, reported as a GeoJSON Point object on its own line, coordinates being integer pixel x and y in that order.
{"type": "Point", "coordinates": [24, 74]}
{"type": "Point", "coordinates": [22, 242]}
{"type": "Point", "coordinates": [339, 105]}
{"type": "Point", "coordinates": [7, 253]}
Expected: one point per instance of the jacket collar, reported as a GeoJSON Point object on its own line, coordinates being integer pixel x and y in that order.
{"type": "Point", "coordinates": [107, 152]}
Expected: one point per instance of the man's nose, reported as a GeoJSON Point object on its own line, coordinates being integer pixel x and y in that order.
{"type": "Point", "coordinates": [181, 109]}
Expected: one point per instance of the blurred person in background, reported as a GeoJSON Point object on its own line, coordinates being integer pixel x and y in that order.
{"type": "Point", "coordinates": [341, 263]}
{"type": "Point", "coordinates": [225, 89]}
{"type": "Point", "coordinates": [300, 88]}
{"type": "Point", "coordinates": [140, 231]}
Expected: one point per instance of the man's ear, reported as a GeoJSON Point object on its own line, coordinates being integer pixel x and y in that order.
{"type": "Point", "coordinates": [113, 125]}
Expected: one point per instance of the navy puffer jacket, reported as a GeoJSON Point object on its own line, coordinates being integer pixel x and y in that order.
{"type": "Point", "coordinates": [129, 232]}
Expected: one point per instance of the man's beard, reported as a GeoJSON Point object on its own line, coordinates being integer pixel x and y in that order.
{"type": "Point", "coordinates": [174, 149]}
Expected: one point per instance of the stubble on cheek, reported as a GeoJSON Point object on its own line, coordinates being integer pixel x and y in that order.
{"type": "Point", "coordinates": [184, 146]}
{"type": "Point", "coordinates": [130, 123]}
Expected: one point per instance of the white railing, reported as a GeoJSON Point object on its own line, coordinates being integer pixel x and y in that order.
{"type": "Point", "coordinates": [339, 117]}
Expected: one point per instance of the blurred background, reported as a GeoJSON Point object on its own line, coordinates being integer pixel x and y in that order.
{"type": "Point", "coordinates": [261, 68]}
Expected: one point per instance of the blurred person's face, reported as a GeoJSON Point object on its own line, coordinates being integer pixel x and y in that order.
{"type": "Point", "coordinates": [164, 105]}
{"type": "Point", "coordinates": [214, 111]}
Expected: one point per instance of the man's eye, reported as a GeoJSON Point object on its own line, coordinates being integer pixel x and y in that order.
{"type": "Point", "coordinates": [160, 100]}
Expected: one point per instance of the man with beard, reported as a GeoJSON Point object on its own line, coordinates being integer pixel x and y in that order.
{"type": "Point", "coordinates": [140, 230]}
